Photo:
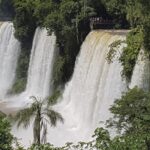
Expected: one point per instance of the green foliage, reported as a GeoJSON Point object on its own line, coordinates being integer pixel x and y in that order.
{"type": "Point", "coordinates": [43, 8]}
{"type": "Point", "coordinates": [24, 21]}
{"type": "Point", "coordinates": [54, 98]}
{"type": "Point", "coordinates": [113, 48]}
{"type": "Point", "coordinates": [21, 72]}
{"type": "Point", "coordinates": [132, 111]}
{"type": "Point", "coordinates": [2, 115]}
{"type": "Point", "coordinates": [68, 21]}
{"type": "Point", "coordinates": [132, 116]}
{"type": "Point", "coordinates": [135, 11]}
{"type": "Point", "coordinates": [25, 25]}
{"type": "Point", "coordinates": [132, 141]}
{"type": "Point", "coordinates": [68, 146]}
{"type": "Point", "coordinates": [43, 147]}
{"type": "Point", "coordinates": [18, 86]}
{"type": "Point", "coordinates": [117, 11]}
{"type": "Point", "coordinates": [58, 70]}
{"type": "Point", "coordinates": [6, 138]}
{"type": "Point", "coordinates": [102, 138]}
{"type": "Point", "coordinates": [146, 36]}
{"type": "Point", "coordinates": [130, 53]}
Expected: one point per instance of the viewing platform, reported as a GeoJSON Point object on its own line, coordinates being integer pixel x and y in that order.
{"type": "Point", "coordinates": [100, 23]}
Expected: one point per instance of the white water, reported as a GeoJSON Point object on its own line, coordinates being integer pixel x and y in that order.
{"type": "Point", "coordinates": [141, 73]}
{"type": "Point", "coordinates": [93, 88]}
{"type": "Point", "coordinates": [41, 64]}
{"type": "Point", "coordinates": [87, 97]}
{"type": "Point", "coordinates": [39, 82]}
{"type": "Point", "coordinates": [9, 52]}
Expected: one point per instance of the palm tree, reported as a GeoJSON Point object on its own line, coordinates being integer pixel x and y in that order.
{"type": "Point", "coordinates": [43, 114]}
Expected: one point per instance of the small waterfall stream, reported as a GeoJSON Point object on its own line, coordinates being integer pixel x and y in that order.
{"type": "Point", "coordinates": [39, 80]}
{"type": "Point", "coordinates": [41, 64]}
{"type": "Point", "coordinates": [141, 72]}
{"type": "Point", "coordinates": [9, 52]}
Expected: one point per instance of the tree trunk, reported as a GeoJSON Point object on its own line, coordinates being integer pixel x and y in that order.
{"type": "Point", "coordinates": [39, 129]}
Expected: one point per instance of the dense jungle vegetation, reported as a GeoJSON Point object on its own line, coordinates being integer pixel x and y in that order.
{"type": "Point", "coordinates": [69, 20]}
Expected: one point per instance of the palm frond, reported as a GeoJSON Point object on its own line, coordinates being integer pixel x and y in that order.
{"type": "Point", "coordinates": [54, 116]}
{"type": "Point", "coordinates": [38, 102]}
{"type": "Point", "coordinates": [23, 117]}
{"type": "Point", "coordinates": [34, 98]}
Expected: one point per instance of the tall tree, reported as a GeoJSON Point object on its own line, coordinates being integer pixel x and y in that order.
{"type": "Point", "coordinates": [43, 114]}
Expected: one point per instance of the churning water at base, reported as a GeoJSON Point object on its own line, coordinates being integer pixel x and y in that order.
{"type": "Point", "coordinates": [9, 52]}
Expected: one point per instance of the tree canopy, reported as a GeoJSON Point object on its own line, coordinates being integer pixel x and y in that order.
{"type": "Point", "coordinates": [6, 137]}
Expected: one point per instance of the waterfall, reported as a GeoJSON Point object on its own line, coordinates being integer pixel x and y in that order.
{"type": "Point", "coordinates": [39, 82]}
{"type": "Point", "coordinates": [92, 90]}
{"type": "Point", "coordinates": [9, 52]}
{"type": "Point", "coordinates": [141, 72]}
{"type": "Point", "coordinates": [87, 97]}
{"type": "Point", "coordinates": [39, 79]}
{"type": "Point", "coordinates": [41, 64]}
{"type": "Point", "coordinates": [94, 86]}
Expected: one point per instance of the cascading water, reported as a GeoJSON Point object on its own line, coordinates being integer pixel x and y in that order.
{"type": "Point", "coordinates": [93, 88]}
{"type": "Point", "coordinates": [39, 81]}
{"type": "Point", "coordinates": [87, 97]}
{"type": "Point", "coordinates": [9, 52]}
{"type": "Point", "coordinates": [41, 64]}
{"type": "Point", "coordinates": [141, 72]}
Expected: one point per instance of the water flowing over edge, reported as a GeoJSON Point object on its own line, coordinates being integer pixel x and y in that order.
{"type": "Point", "coordinates": [87, 97]}
{"type": "Point", "coordinates": [93, 88]}
{"type": "Point", "coordinates": [9, 53]}
{"type": "Point", "coordinates": [39, 79]}
{"type": "Point", "coordinates": [141, 72]}
{"type": "Point", "coordinates": [42, 57]}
